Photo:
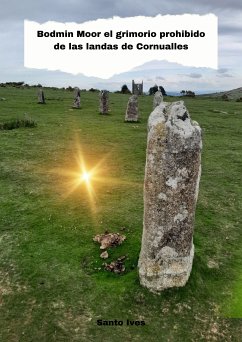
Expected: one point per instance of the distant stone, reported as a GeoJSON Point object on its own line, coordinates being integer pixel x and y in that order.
{"type": "Point", "coordinates": [77, 92]}
{"type": "Point", "coordinates": [41, 96]}
{"type": "Point", "coordinates": [158, 98]}
{"type": "Point", "coordinates": [173, 167]}
{"type": "Point", "coordinates": [77, 98]}
{"type": "Point", "coordinates": [103, 102]}
{"type": "Point", "coordinates": [132, 111]}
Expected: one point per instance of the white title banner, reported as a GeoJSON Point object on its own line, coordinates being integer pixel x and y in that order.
{"type": "Point", "coordinates": [105, 47]}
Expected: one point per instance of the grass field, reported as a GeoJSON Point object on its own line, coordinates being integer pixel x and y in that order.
{"type": "Point", "coordinates": [53, 286]}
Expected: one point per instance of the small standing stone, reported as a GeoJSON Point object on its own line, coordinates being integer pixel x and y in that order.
{"type": "Point", "coordinates": [41, 96]}
{"type": "Point", "coordinates": [158, 98]}
{"type": "Point", "coordinates": [103, 102]}
{"type": "Point", "coordinates": [132, 111]}
{"type": "Point", "coordinates": [172, 174]}
{"type": "Point", "coordinates": [77, 98]}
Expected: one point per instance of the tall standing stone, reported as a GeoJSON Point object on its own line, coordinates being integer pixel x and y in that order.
{"type": "Point", "coordinates": [158, 98]}
{"type": "Point", "coordinates": [41, 96]}
{"type": "Point", "coordinates": [103, 102]}
{"type": "Point", "coordinates": [172, 174]}
{"type": "Point", "coordinates": [132, 111]}
{"type": "Point", "coordinates": [77, 98]}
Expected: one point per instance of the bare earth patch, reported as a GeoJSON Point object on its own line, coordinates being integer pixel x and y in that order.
{"type": "Point", "coordinates": [75, 325]}
{"type": "Point", "coordinates": [8, 286]}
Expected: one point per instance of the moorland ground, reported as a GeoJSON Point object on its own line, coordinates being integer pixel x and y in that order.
{"type": "Point", "coordinates": [53, 286]}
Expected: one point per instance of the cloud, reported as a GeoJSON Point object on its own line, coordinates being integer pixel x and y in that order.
{"type": "Point", "coordinates": [229, 14]}
{"type": "Point", "coordinates": [229, 30]}
{"type": "Point", "coordinates": [194, 75]}
{"type": "Point", "coordinates": [222, 70]}
{"type": "Point", "coordinates": [160, 78]}
{"type": "Point", "coordinates": [77, 10]}
{"type": "Point", "coordinates": [224, 75]}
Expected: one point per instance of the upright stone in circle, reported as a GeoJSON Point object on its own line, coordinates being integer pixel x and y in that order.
{"type": "Point", "coordinates": [132, 111]}
{"type": "Point", "coordinates": [172, 174]}
{"type": "Point", "coordinates": [77, 98]}
{"type": "Point", "coordinates": [158, 98]}
{"type": "Point", "coordinates": [103, 102]}
{"type": "Point", "coordinates": [41, 96]}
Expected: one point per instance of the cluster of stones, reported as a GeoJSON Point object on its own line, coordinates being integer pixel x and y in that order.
{"type": "Point", "coordinates": [172, 173]}
{"type": "Point", "coordinates": [103, 100]}
{"type": "Point", "coordinates": [108, 240]}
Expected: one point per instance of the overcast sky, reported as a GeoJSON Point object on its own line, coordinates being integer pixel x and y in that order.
{"type": "Point", "coordinates": [172, 76]}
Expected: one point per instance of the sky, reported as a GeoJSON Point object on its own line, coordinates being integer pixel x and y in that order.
{"type": "Point", "coordinates": [173, 77]}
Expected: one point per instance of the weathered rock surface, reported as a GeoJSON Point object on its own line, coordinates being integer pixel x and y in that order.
{"type": "Point", "coordinates": [158, 98]}
{"type": "Point", "coordinates": [77, 92]}
{"type": "Point", "coordinates": [173, 167]}
{"type": "Point", "coordinates": [103, 102]}
{"type": "Point", "coordinates": [132, 111]}
{"type": "Point", "coordinates": [41, 96]}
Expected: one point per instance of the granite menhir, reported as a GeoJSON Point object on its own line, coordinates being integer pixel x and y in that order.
{"type": "Point", "coordinates": [172, 174]}
{"type": "Point", "coordinates": [158, 98]}
{"type": "Point", "coordinates": [132, 111]}
{"type": "Point", "coordinates": [41, 96]}
{"type": "Point", "coordinates": [103, 102]}
{"type": "Point", "coordinates": [77, 98]}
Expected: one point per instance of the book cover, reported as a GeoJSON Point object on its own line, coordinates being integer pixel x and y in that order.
{"type": "Point", "coordinates": [110, 114]}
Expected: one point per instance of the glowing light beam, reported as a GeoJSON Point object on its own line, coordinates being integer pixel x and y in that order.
{"type": "Point", "coordinates": [85, 176]}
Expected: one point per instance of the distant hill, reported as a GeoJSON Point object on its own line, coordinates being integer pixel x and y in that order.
{"type": "Point", "coordinates": [233, 94]}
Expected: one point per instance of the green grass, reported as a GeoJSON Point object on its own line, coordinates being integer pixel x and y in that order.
{"type": "Point", "coordinates": [17, 123]}
{"type": "Point", "coordinates": [51, 288]}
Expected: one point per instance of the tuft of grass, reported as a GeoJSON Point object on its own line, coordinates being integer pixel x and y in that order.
{"type": "Point", "coordinates": [18, 123]}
